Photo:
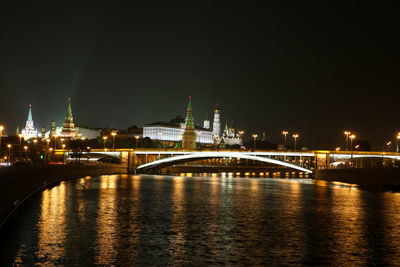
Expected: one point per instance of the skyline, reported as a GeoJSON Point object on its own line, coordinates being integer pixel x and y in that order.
{"type": "Point", "coordinates": [316, 71]}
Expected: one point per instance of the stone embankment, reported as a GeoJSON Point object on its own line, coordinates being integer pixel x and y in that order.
{"type": "Point", "coordinates": [18, 183]}
{"type": "Point", "coordinates": [374, 177]}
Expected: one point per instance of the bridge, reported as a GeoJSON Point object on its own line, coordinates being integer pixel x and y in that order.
{"type": "Point", "coordinates": [142, 160]}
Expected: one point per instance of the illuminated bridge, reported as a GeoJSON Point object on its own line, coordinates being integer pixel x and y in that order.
{"type": "Point", "coordinates": [153, 161]}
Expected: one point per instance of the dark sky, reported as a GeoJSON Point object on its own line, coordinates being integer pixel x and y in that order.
{"type": "Point", "coordinates": [315, 70]}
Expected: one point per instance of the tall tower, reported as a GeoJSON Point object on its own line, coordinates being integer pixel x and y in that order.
{"type": "Point", "coordinates": [68, 129]}
{"type": "Point", "coordinates": [53, 128]}
{"type": "Point", "coordinates": [217, 122]}
{"type": "Point", "coordinates": [189, 136]}
{"type": "Point", "coordinates": [29, 131]}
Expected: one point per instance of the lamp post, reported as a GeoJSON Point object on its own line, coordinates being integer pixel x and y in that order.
{"type": "Point", "coordinates": [352, 137]}
{"type": "Point", "coordinates": [295, 136]}
{"type": "Point", "coordinates": [47, 148]}
{"type": "Point", "coordinates": [105, 140]}
{"type": "Point", "coordinates": [82, 139]}
{"type": "Point", "coordinates": [397, 142]}
{"type": "Point", "coordinates": [137, 140]}
{"type": "Point", "coordinates": [1, 136]}
{"type": "Point", "coordinates": [9, 153]}
{"type": "Point", "coordinates": [285, 133]}
{"type": "Point", "coordinates": [113, 136]}
{"type": "Point", "coordinates": [389, 144]}
{"type": "Point", "coordinates": [347, 133]}
{"type": "Point", "coordinates": [20, 144]}
{"type": "Point", "coordinates": [255, 137]}
{"type": "Point", "coordinates": [241, 136]}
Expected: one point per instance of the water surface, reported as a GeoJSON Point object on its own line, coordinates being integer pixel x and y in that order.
{"type": "Point", "coordinates": [159, 220]}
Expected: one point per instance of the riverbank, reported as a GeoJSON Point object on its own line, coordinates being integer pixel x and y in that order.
{"type": "Point", "coordinates": [374, 177]}
{"type": "Point", "coordinates": [18, 183]}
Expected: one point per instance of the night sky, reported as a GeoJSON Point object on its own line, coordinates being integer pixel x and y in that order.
{"type": "Point", "coordinates": [315, 70]}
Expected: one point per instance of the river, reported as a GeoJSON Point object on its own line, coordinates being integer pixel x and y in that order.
{"type": "Point", "coordinates": [167, 220]}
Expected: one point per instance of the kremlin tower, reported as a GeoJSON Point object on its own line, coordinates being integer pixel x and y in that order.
{"type": "Point", "coordinates": [29, 131]}
{"type": "Point", "coordinates": [68, 129]}
{"type": "Point", "coordinates": [217, 122]}
{"type": "Point", "coordinates": [189, 135]}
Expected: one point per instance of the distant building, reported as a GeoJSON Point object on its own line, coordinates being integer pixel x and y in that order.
{"type": "Point", "coordinates": [173, 131]}
{"type": "Point", "coordinates": [230, 136]}
{"type": "Point", "coordinates": [29, 131]}
{"type": "Point", "coordinates": [68, 129]}
{"type": "Point", "coordinates": [189, 135]}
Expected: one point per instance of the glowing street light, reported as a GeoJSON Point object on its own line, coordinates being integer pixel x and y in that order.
{"type": "Point", "coordinates": [255, 137]}
{"type": "Point", "coordinates": [285, 133]}
{"type": "Point", "coordinates": [295, 136]}
{"type": "Point", "coordinates": [389, 144]}
{"type": "Point", "coordinates": [9, 152]}
{"type": "Point", "coordinates": [352, 137]}
{"type": "Point", "coordinates": [105, 140]}
{"type": "Point", "coordinates": [137, 140]}
{"type": "Point", "coordinates": [63, 146]}
{"type": "Point", "coordinates": [347, 133]}
{"type": "Point", "coordinates": [26, 148]}
{"type": "Point", "coordinates": [397, 142]}
{"type": "Point", "coordinates": [113, 135]}
{"type": "Point", "coordinates": [20, 144]}
{"type": "Point", "coordinates": [1, 135]}
{"type": "Point", "coordinates": [337, 149]}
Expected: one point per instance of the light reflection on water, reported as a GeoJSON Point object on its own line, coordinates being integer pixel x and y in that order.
{"type": "Point", "coordinates": [159, 220]}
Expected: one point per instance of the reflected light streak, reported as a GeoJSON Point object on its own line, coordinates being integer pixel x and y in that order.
{"type": "Point", "coordinates": [106, 221]}
{"type": "Point", "coordinates": [52, 224]}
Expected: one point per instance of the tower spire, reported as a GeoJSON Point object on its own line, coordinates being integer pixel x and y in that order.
{"type": "Point", "coordinates": [69, 110]}
{"type": "Point", "coordinates": [30, 113]}
{"type": "Point", "coordinates": [189, 117]}
{"type": "Point", "coordinates": [189, 135]}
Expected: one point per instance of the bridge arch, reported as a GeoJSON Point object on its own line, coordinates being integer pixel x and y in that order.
{"type": "Point", "coordinates": [204, 155]}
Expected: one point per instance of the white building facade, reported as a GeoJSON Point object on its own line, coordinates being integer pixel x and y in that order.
{"type": "Point", "coordinates": [174, 134]}
{"type": "Point", "coordinates": [29, 131]}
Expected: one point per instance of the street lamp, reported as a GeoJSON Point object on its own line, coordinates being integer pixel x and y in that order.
{"type": "Point", "coordinates": [241, 137]}
{"type": "Point", "coordinates": [285, 134]}
{"type": "Point", "coordinates": [338, 149]}
{"type": "Point", "coordinates": [295, 136]}
{"type": "Point", "coordinates": [352, 137]}
{"type": "Point", "coordinates": [105, 140]}
{"type": "Point", "coordinates": [1, 135]}
{"type": "Point", "coordinates": [389, 144]}
{"type": "Point", "coordinates": [47, 147]}
{"type": "Point", "coordinates": [397, 142]}
{"type": "Point", "coordinates": [137, 140]}
{"type": "Point", "coordinates": [255, 137]}
{"type": "Point", "coordinates": [63, 146]}
{"type": "Point", "coordinates": [113, 135]}
{"type": "Point", "coordinates": [26, 148]}
{"type": "Point", "coordinates": [19, 148]}
{"type": "Point", "coordinates": [9, 153]}
{"type": "Point", "coordinates": [347, 133]}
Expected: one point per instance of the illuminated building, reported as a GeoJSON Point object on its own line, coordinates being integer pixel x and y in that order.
{"type": "Point", "coordinates": [230, 136]}
{"type": "Point", "coordinates": [189, 135]}
{"type": "Point", "coordinates": [68, 129]}
{"type": "Point", "coordinates": [29, 131]}
{"type": "Point", "coordinates": [173, 131]}
{"type": "Point", "coordinates": [217, 122]}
